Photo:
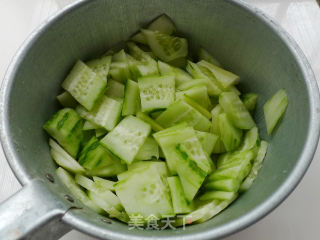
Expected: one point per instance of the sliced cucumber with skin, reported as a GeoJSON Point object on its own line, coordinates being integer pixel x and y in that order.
{"type": "Point", "coordinates": [197, 106]}
{"type": "Point", "coordinates": [274, 108]}
{"type": "Point", "coordinates": [103, 183]}
{"type": "Point", "coordinates": [75, 189]}
{"type": "Point", "coordinates": [66, 127]}
{"type": "Point", "coordinates": [219, 146]}
{"type": "Point", "coordinates": [115, 89]}
{"type": "Point", "coordinates": [90, 125]}
{"type": "Point", "coordinates": [100, 66]}
{"type": "Point", "coordinates": [145, 192]}
{"type": "Point", "coordinates": [100, 132]}
{"type": "Point", "coordinates": [219, 195]}
{"type": "Point", "coordinates": [164, 46]}
{"type": "Point", "coordinates": [234, 107]}
{"type": "Point", "coordinates": [181, 111]}
{"type": "Point", "coordinates": [120, 71]}
{"type": "Point", "coordinates": [225, 78]}
{"type": "Point", "coordinates": [180, 75]}
{"type": "Point", "coordinates": [131, 102]}
{"type": "Point", "coordinates": [148, 151]}
{"type": "Point", "coordinates": [63, 159]}
{"type": "Point", "coordinates": [250, 100]}
{"type": "Point", "coordinates": [229, 185]}
{"type": "Point", "coordinates": [207, 140]}
{"type": "Point", "coordinates": [106, 114]}
{"type": "Point", "coordinates": [201, 82]}
{"type": "Point", "coordinates": [86, 86]}
{"type": "Point", "coordinates": [154, 125]}
{"type": "Point", "coordinates": [230, 135]}
{"type": "Point", "coordinates": [126, 139]}
{"type": "Point", "coordinates": [66, 100]}
{"type": "Point", "coordinates": [98, 161]}
{"type": "Point", "coordinates": [179, 201]}
{"type": "Point", "coordinates": [235, 90]}
{"type": "Point", "coordinates": [159, 166]}
{"type": "Point", "coordinates": [198, 94]}
{"type": "Point", "coordinates": [156, 92]}
{"type": "Point", "coordinates": [205, 55]}
{"type": "Point", "coordinates": [257, 164]}
{"type": "Point", "coordinates": [251, 139]}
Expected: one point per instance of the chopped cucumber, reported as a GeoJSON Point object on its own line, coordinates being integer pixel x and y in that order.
{"type": "Point", "coordinates": [207, 140]}
{"type": "Point", "coordinates": [126, 139]}
{"type": "Point", "coordinates": [181, 111]}
{"type": "Point", "coordinates": [250, 100]}
{"type": "Point", "coordinates": [159, 166]}
{"type": "Point", "coordinates": [219, 146]}
{"type": "Point", "coordinates": [131, 102]}
{"type": "Point", "coordinates": [100, 66]}
{"type": "Point", "coordinates": [106, 114]}
{"type": "Point", "coordinates": [230, 135]}
{"type": "Point", "coordinates": [205, 55]}
{"type": "Point", "coordinates": [164, 46]}
{"type": "Point", "coordinates": [219, 195]}
{"type": "Point", "coordinates": [234, 107]}
{"type": "Point", "coordinates": [66, 100]}
{"type": "Point", "coordinates": [63, 159]}
{"type": "Point", "coordinates": [101, 183]}
{"type": "Point", "coordinates": [251, 139]}
{"type": "Point", "coordinates": [66, 127]}
{"type": "Point", "coordinates": [86, 86]}
{"type": "Point", "coordinates": [197, 106]}
{"type": "Point", "coordinates": [274, 108]}
{"type": "Point", "coordinates": [257, 164]}
{"type": "Point", "coordinates": [154, 125]}
{"type": "Point", "coordinates": [148, 151]}
{"type": "Point", "coordinates": [75, 189]}
{"type": "Point", "coordinates": [115, 89]}
{"type": "Point", "coordinates": [100, 132]}
{"type": "Point", "coordinates": [198, 93]}
{"type": "Point", "coordinates": [90, 125]}
{"type": "Point", "coordinates": [229, 185]}
{"type": "Point", "coordinates": [180, 75]}
{"type": "Point", "coordinates": [98, 161]}
{"type": "Point", "coordinates": [179, 201]}
{"type": "Point", "coordinates": [156, 92]}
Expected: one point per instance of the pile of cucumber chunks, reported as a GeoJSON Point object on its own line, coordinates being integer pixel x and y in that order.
{"type": "Point", "coordinates": [148, 132]}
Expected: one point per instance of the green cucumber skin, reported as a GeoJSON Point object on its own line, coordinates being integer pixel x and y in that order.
{"type": "Point", "coordinates": [250, 101]}
{"type": "Point", "coordinates": [131, 102]}
{"type": "Point", "coordinates": [66, 100]}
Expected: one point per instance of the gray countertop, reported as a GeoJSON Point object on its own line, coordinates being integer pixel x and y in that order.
{"type": "Point", "coordinates": [298, 217]}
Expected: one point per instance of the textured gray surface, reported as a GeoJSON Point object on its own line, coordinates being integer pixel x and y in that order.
{"type": "Point", "coordinates": [297, 10]}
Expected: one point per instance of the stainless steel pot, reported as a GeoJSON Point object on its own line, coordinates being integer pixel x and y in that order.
{"type": "Point", "coordinates": [244, 39]}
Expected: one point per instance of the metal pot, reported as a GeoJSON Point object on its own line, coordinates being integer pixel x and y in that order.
{"type": "Point", "coordinates": [244, 39]}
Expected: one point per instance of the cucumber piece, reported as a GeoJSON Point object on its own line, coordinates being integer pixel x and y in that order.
{"type": "Point", "coordinates": [164, 46]}
{"type": "Point", "coordinates": [251, 139]}
{"type": "Point", "coordinates": [179, 62]}
{"type": "Point", "coordinates": [119, 56]}
{"type": "Point", "coordinates": [106, 114]}
{"type": "Point", "coordinates": [90, 126]}
{"type": "Point", "coordinates": [98, 161]}
{"type": "Point", "coordinates": [219, 195]}
{"type": "Point", "coordinates": [156, 114]}
{"type": "Point", "coordinates": [66, 100]}
{"type": "Point", "coordinates": [126, 139]}
{"type": "Point", "coordinates": [228, 185]}
{"type": "Point", "coordinates": [207, 140]}
{"type": "Point", "coordinates": [204, 212]}
{"type": "Point", "coordinates": [250, 100]}
{"type": "Point", "coordinates": [100, 132]}
{"type": "Point", "coordinates": [198, 93]}
{"type": "Point", "coordinates": [66, 127]}
{"type": "Point", "coordinates": [205, 55]}
{"type": "Point", "coordinates": [112, 211]}
{"type": "Point", "coordinates": [235, 90]}
{"type": "Point", "coordinates": [156, 92]}
{"type": "Point", "coordinates": [101, 183]}
{"type": "Point", "coordinates": [169, 138]}
{"type": "Point", "coordinates": [192, 148]}
{"type": "Point", "coordinates": [257, 164]}
{"type": "Point", "coordinates": [274, 108]}
{"type": "Point", "coordinates": [181, 111]}
{"type": "Point", "coordinates": [159, 166]}
{"type": "Point", "coordinates": [179, 201]}
{"type": "Point", "coordinates": [100, 66]}
{"type": "Point", "coordinates": [193, 83]}
{"type": "Point", "coordinates": [103, 192]}
{"type": "Point", "coordinates": [63, 159]}
{"type": "Point", "coordinates": [119, 71]}
{"type": "Point", "coordinates": [139, 38]}
{"type": "Point", "coordinates": [154, 125]}
{"type": "Point", "coordinates": [197, 106]}
{"type": "Point", "coordinates": [219, 146]}
{"type": "Point", "coordinates": [225, 78]}
{"type": "Point", "coordinates": [148, 151]}
{"type": "Point", "coordinates": [180, 76]}
{"type": "Point", "coordinates": [131, 102]}
{"type": "Point", "coordinates": [234, 107]}
{"type": "Point", "coordinates": [75, 189]}
{"type": "Point", "coordinates": [230, 135]}
{"type": "Point", "coordinates": [145, 192]}
{"type": "Point", "coordinates": [191, 176]}
{"type": "Point", "coordinates": [85, 85]}
{"type": "Point", "coordinates": [198, 72]}
{"type": "Point", "coordinates": [115, 89]}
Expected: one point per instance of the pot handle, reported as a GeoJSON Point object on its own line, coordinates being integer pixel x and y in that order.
{"type": "Point", "coordinates": [34, 212]}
